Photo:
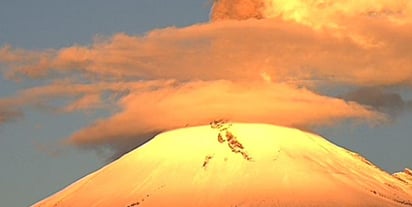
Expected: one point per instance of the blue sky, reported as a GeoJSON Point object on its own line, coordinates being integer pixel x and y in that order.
{"type": "Point", "coordinates": [31, 166]}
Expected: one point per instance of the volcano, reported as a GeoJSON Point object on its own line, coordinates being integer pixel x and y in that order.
{"type": "Point", "coordinates": [238, 164]}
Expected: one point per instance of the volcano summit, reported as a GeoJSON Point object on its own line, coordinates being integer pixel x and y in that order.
{"type": "Point", "coordinates": [237, 165]}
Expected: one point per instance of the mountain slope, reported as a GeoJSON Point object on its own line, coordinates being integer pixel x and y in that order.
{"type": "Point", "coordinates": [237, 165]}
{"type": "Point", "coordinates": [405, 176]}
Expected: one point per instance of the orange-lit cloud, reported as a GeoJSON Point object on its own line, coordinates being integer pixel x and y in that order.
{"type": "Point", "coordinates": [8, 115]}
{"type": "Point", "coordinates": [8, 111]}
{"type": "Point", "coordinates": [315, 13]}
{"type": "Point", "coordinates": [238, 9]}
{"type": "Point", "coordinates": [285, 51]}
{"type": "Point", "coordinates": [198, 103]}
{"type": "Point", "coordinates": [256, 61]}
{"type": "Point", "coordinates": [78, 96]}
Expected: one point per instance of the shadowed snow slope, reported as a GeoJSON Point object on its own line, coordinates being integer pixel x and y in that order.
{"type": "Point", "coordinates": [227, 165]}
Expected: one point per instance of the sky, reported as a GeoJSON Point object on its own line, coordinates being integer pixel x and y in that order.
{"type": "Point", "coordinates": [83, 82]}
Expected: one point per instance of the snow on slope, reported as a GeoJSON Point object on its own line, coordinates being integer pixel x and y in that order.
{"type": "Point", "coordinates": [236, 165]}
{"type": "Point", "coordinates": [405, 176]}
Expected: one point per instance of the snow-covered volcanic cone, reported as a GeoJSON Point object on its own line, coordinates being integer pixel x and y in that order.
{"type": "Point", "coordinates": [237, 165]}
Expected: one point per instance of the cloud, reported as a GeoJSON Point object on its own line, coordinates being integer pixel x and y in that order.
{"type": "Point", "coordinates": [79, 96]}
{"type": "Point", "coordinates": [201, 102]}
{"type": "Point", "coordinates": [380, 99]}
{"type": "Point", "coordinates": [237, 9]}
{"type": "Point", "coordinates": [8, 113]}
{"type": "Point", "coordinates": [315, 13]}
{"type": "Point", "coordinates": [283, 50]}
{"type": "Point", "coordinates": [8, 116]}
{"type": "Point", "coordinates": [256, 61]}
{"type": "Point", "coordinates": [143, 114]}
